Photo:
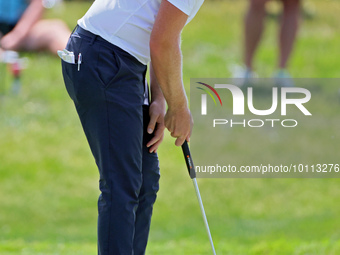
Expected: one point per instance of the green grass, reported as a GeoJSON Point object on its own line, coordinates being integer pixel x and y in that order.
{"type": "Point", "coordinates": [49, 181]}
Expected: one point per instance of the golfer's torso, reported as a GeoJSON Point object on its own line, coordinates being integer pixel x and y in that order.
{"type": "Point", "coordinates": [128, 23]}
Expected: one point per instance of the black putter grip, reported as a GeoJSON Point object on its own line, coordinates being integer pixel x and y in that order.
{"type": "Point", "coordinates": [188, 160]}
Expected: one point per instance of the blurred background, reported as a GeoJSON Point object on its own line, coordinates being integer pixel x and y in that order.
{"type": "Point", "coordinates": [49, 181]}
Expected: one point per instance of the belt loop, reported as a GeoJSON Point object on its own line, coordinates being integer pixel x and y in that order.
{"type": "Point", "coordinates": [93, 39]}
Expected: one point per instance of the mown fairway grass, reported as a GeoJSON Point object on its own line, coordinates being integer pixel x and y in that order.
{"type": "Point", "coordinates": [49, 182]}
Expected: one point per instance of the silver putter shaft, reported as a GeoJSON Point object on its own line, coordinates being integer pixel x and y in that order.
{"type": "Point", "coordinates": [192, 173]}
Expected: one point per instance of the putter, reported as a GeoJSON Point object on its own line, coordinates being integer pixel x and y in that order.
{"type": "Point", "coordinates": [192, 173]}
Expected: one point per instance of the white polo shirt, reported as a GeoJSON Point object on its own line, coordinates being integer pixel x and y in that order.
{"type": "Point", "coordinates": [128, 23]}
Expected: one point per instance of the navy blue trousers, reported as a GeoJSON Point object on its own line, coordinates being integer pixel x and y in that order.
{"type": "Point", "coordinates": [108, 95]}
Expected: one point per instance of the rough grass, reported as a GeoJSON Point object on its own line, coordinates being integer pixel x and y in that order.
{"type": "Point", "coordinates": [49, 182]}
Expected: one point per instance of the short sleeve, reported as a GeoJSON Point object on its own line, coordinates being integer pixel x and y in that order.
{"type": "Point", "coordinates": [186, 6]}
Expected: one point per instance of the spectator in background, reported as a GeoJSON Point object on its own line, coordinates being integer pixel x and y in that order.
{"type": "Point", "coordinates": [22, 27]}
{"type": "Point", "coordinates": [254, 26]}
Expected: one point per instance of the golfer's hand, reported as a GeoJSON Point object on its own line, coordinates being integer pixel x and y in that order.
{"type": "Point", "coordinates": [179, 122]}
{"type": "Point", "coordinates": [156, 125]}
